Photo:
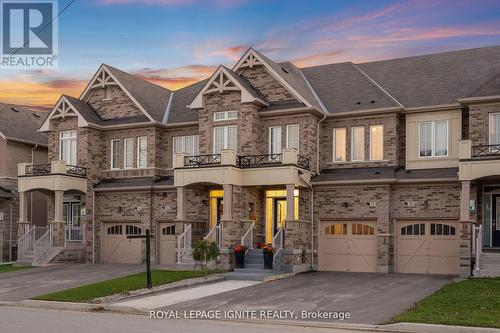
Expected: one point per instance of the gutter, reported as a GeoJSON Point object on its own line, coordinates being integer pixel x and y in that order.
{"type": "Point", "coordinates": [38, 144]}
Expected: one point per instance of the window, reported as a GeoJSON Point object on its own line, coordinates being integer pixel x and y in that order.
{"type": "Point", "coordinates": [115, 230]}
{"type": "Point", "coordinates": [495, 129]}
{"type": "Point", "coordinates": [132, 230]}
{"type": "Point", "coordinates": [292, 136]}
{"type": "Point", "coordinates": [169, 230]}
{"type": "Point", "coordinates": [336, 229]}
{"type": "Point", "coordinates": [376, 142]}
{"type": "Point", "coordinates": [439, 229]}
{"type": "Point", "coordinates": [142, 152]}
{"type": "Point", "coordinates": [339, 144]}
{"type": "Point", "coordinates": [115, 154]}
{"type": "Point", "coordinates": [67, 147]}
{"type": "Point", "coordinates": [225, 137]}
{"type": "Point", "coordinates": [433, 138]}
{"type": "Point", "coordinates": [225, 115]}
{"type": "Point", "coordinates": [186, 144]}
{"type": "Point", "coordinates": [128, 153]}
{"type": "Point", "coordinates": [358, 143]}
{"type": "Point", "coordinates": [362, 229]}
{"type": "Point", "coordinates": [413, 230]}
{"type": "Point", "coordinates": [274, 140]}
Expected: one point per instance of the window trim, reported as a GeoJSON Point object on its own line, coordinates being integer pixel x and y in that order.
{"type": "Point", "coordinates": [138, 149]}
{"type": "Point", "coordinates": [69, 139]}
{"type": "Point", "coordinates": [226, 115]}
{"type": "Point", "coordinates": [270, 151]}
{"type": "Point", "coordinates": [226, 137]}
{"type": "Point", "coordinates": [112, 153]}
{"type": "Point", "coordinates": [298, 136]}
{"type": "Point", "coordinates": [196, 143]}
{"type": "Point", "coordinates": [433, 139]}
{"type": "Point", "coordinates": [371, 142]}
{"type": "Point", "coordinates": [490, 123]}
{"type": "Point", "coordinates": [125, 153]}
{"type": "Point", "coordinates": [352, 143]}
{"type": "Point", "coordinates": [335, 144]}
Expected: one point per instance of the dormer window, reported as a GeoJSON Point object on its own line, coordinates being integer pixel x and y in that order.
{"type": "Point", "coordinates": [225, 115]}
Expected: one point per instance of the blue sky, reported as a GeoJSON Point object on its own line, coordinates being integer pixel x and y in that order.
{"type": "Point", "coordinates": [176, 42]}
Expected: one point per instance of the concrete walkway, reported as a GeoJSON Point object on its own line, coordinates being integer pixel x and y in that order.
{"type": "Point", "coordinates": [191, 294]}
{"type": "Point", "coordinates": [36, 281]}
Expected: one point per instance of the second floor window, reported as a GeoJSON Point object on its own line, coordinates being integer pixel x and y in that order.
{"type": "Point", "coordinates": [433, 138]}
{"type": "Point", "coordinates": [115, 154]}
{"type": "Point", "coordinates": [142, 152]}
{"type": "Point", "coordinates": [225, 137]}
{"type": "Point", "coordinates": [225, 115]}
{"type": "Point", "coordinates": [128, 153]}
{"type": "Point", "coordinates": [376, 142]}
{"type": "Point", "coordinates": [274, 140]}
{"type": "Point", "coordinates": [339, 151]}
{"type": "Point", "coordinates": [495, 129]}
{"type": "Point", "coordinates": [292, 136]}
{"type": "Point", "coordinates": [67, 147]}
{"type": "Point", "coordinates": [358, 143]}
{"type": "Point", "coordinates": [186, 145]}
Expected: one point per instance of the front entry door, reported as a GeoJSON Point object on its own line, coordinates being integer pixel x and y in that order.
{"type": "Point", "coordinates": [279, 214]}
{"type": "Point", "coordinates": [71, 211]}
{"type": "Point", "coordinates": [495, 222]}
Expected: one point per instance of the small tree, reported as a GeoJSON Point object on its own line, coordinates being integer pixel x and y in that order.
{"type": "Point", "coordinates": [205, 251]}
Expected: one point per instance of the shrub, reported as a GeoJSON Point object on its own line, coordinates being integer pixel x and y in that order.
{"type": "Point", "coordinates": [205, 251]}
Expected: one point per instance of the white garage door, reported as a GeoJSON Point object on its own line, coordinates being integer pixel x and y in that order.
{"type": "Point", "coordinates": [348, 246]}
{"type": "Point", "coordinates": [167, 242]}
{"type": "Point", "coordinates": [427, 247]}
{"type": "Point", "coordinates": [116, 248]}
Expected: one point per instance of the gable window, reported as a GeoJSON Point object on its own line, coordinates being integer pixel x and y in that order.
{"type": "Point", "coordinates": [358, 143]}
{"type": "Point", "coordinates": [225, 137]}
{"type": "Point", "coordinates": [495, 129]}
{"type": "Point", "coordinates": [433, 138]}
{"type": "Point", "coordinates": [142, 152]}
{"type": "Point", "coordinates": [115, 154]}
{"type": "Point", "coordinates": [225, 115]}
{"type": "Point", "coordinates": [292, 136]}
{"type": "Point", "coordinates": [128, 153]}
{"type": "Point", "coordinates": [67, 147]}
{"type": "Point", "coordinates": [376, 142]}
{"type": "Point", "coordinates": [274, 140]}
{"type": "Point", "coordinates": [186, 145]}
{"type": "Point", "coordinates": [339, 150]}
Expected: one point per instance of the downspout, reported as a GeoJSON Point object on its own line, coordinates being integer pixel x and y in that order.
{"type": "Point", "coordinates": [31, 194]}
{"type": "Point", "coordinates": [317, 142]}
{"type": "Point", "coordinates": [10, 231]}
{"type": "Point", "coordinates": [93, 226]}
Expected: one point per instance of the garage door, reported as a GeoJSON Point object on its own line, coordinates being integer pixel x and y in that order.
{"type": "Point", "coordinates": [427, 247]}
{"type": "Point", "coordinates": [116, 248]}
{"type": "Point", "coordinates": [167, 242]}
{"type": "Point", "coordinates": [348, 246]}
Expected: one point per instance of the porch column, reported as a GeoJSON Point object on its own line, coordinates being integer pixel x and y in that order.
{"type": "Point", "coordinates": [58, 206]}
{"type": "Point", "coordinates": [464, 201]}
{"type": "Point", "coordinates": [227, 213]}
{"type": "Point", "coordinates": [23, 208]}
{"type": "Point", "coordinates": [58, 224]}
{"type": "Point", "coordinates": [290, 202]}
{"type": "Point", "coordinates": [181, 203]}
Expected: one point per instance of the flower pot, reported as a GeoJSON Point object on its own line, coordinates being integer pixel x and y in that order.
{"type": "Point", "coordinates": [268, 259]}
{"type": "Point", "coordinates": [240, 259]}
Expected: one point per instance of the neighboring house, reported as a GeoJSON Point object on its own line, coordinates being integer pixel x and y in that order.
{"type": "Point", "coordinates": [376, 167]}
{"type": "Point", "coordinates": [19, 142]}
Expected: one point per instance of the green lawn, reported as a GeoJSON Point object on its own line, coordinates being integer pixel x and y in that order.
{"type": "Point", "coordinates": [119, 285]}
{"type": "Point", "coordinates": [9, 268]}
{"type": "Point", "coordinates": [474, 302]}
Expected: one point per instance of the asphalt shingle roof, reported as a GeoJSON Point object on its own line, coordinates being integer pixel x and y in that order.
{"type": "Point", "coordinates": [179, 112]}
{"type": "Point", "coordinates": [22, 125]}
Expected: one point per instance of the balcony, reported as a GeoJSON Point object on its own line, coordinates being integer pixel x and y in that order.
{"type": "Point", "coordinates": [478, 161]}
{"type": "Point", "coordinates": [56, 176]}
{"type": "Point", "coordinates": [245, 170]}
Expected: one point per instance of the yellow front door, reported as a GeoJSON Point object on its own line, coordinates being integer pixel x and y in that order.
{"type": "Point", "coordinates": [276, 211]}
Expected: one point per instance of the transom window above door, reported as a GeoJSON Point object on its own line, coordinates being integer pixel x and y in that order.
{"type": "Point", "coordinates": [225, 115]}
{"type": "Point", "coordinates": [433, 138]}
{"type": "Point", "coordinates": [67, 147]}
{"type": "Point", "coordinates": [225, 137]}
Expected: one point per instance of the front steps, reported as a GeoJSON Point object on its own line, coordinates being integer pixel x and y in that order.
{"type": "Point", "coordinates": [254, 268]}
{"type": "Point", "coordinates": [489, 265]}
{"type": "Point", "coordinates": [25, 260]}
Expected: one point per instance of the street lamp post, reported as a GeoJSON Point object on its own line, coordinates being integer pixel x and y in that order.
{"type": "Point", "coordinates": [148, 237]}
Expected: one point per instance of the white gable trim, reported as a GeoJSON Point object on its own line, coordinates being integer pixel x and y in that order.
{"type": "Point", "coordinates": [223, 85]}
{"type": "Point", "coordinates": [252, 58]}
{"type": "Point", "coordinates": [63, 109]}
{"type": "Point", "coordinates": [100, 80]}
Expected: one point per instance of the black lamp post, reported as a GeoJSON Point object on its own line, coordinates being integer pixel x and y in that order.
{"type": "Point", "coordinates": [148, 237]}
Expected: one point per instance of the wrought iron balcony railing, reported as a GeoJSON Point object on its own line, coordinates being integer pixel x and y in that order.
{"type": "Point", "coordinates": [75, 170]}
{"type": "Point", "coordinates": [202, 160]}
{"type": "Point", "coordinates": [252, 161]}
{"type": "Point", "coordinates": [46, 169]}
{"type": "Point", "coordinates": [38, 170]}
{"type": "Point", "coordinates": [486, 151]}
{"type": "Point", "coordinates": [303, 162]}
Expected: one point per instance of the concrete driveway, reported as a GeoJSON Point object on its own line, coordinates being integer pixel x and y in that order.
{"type": "Point", "coordinates": [31, 282]}
{"type": "Point", "coordinates": [370, 298]}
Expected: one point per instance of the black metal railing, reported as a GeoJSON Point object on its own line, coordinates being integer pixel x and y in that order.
{"type": "Point", "coordinates": [303, 162]}
{"type": "Point", "coordinates": [202, 160]}
{"type": "Point", "coordinates": [252, 161]}
{"type": "Point", "coordinates": [37, 170]}
{"type": "Point", "coordinates": [486, 151]}
{"type": "Point", "coordinates": [75, 170]}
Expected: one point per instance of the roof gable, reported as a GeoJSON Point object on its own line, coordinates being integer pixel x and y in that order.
{"type": "Point", "coordinates": [68, 106]}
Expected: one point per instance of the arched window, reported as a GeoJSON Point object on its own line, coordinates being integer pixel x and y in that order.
{"type": "Point", "coordinates": [336, 229]}
{"type": "Point", "coordinates": [362, 229]}
{"type": "Point", "coordinates": [417, 229]}
{"type": "Point", "coordinates": [115, 230]}
{"type": "Point", "coordinates": [441, 229]}
{"type": "Point", "coordinates": [133, 230]}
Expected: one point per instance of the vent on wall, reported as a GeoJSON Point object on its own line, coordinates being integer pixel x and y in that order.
{"type": "Point", "coordinates": [408, 203]}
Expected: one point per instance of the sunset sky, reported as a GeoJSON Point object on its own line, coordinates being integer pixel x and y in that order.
{"type": "Point", "coordinates": [177, 42]}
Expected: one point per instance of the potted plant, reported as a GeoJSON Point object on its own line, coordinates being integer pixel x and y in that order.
{"type": "Point", "coordinates": [239, 256]}
{"type": "Point", "coordinates": [267, 251]}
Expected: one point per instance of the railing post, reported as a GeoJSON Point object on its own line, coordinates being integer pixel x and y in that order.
{"type": "Point", "coordinates": [290, 156]}
{"type": "Point", "coordinates": [465, 149]}
{"type": "Point", "coordinates": [228, 157]}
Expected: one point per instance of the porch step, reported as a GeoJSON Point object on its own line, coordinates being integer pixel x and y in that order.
{"type": "Point", "coordinates": [487, 273]}
{"type": "Point", "coordinates": [49, 256]}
